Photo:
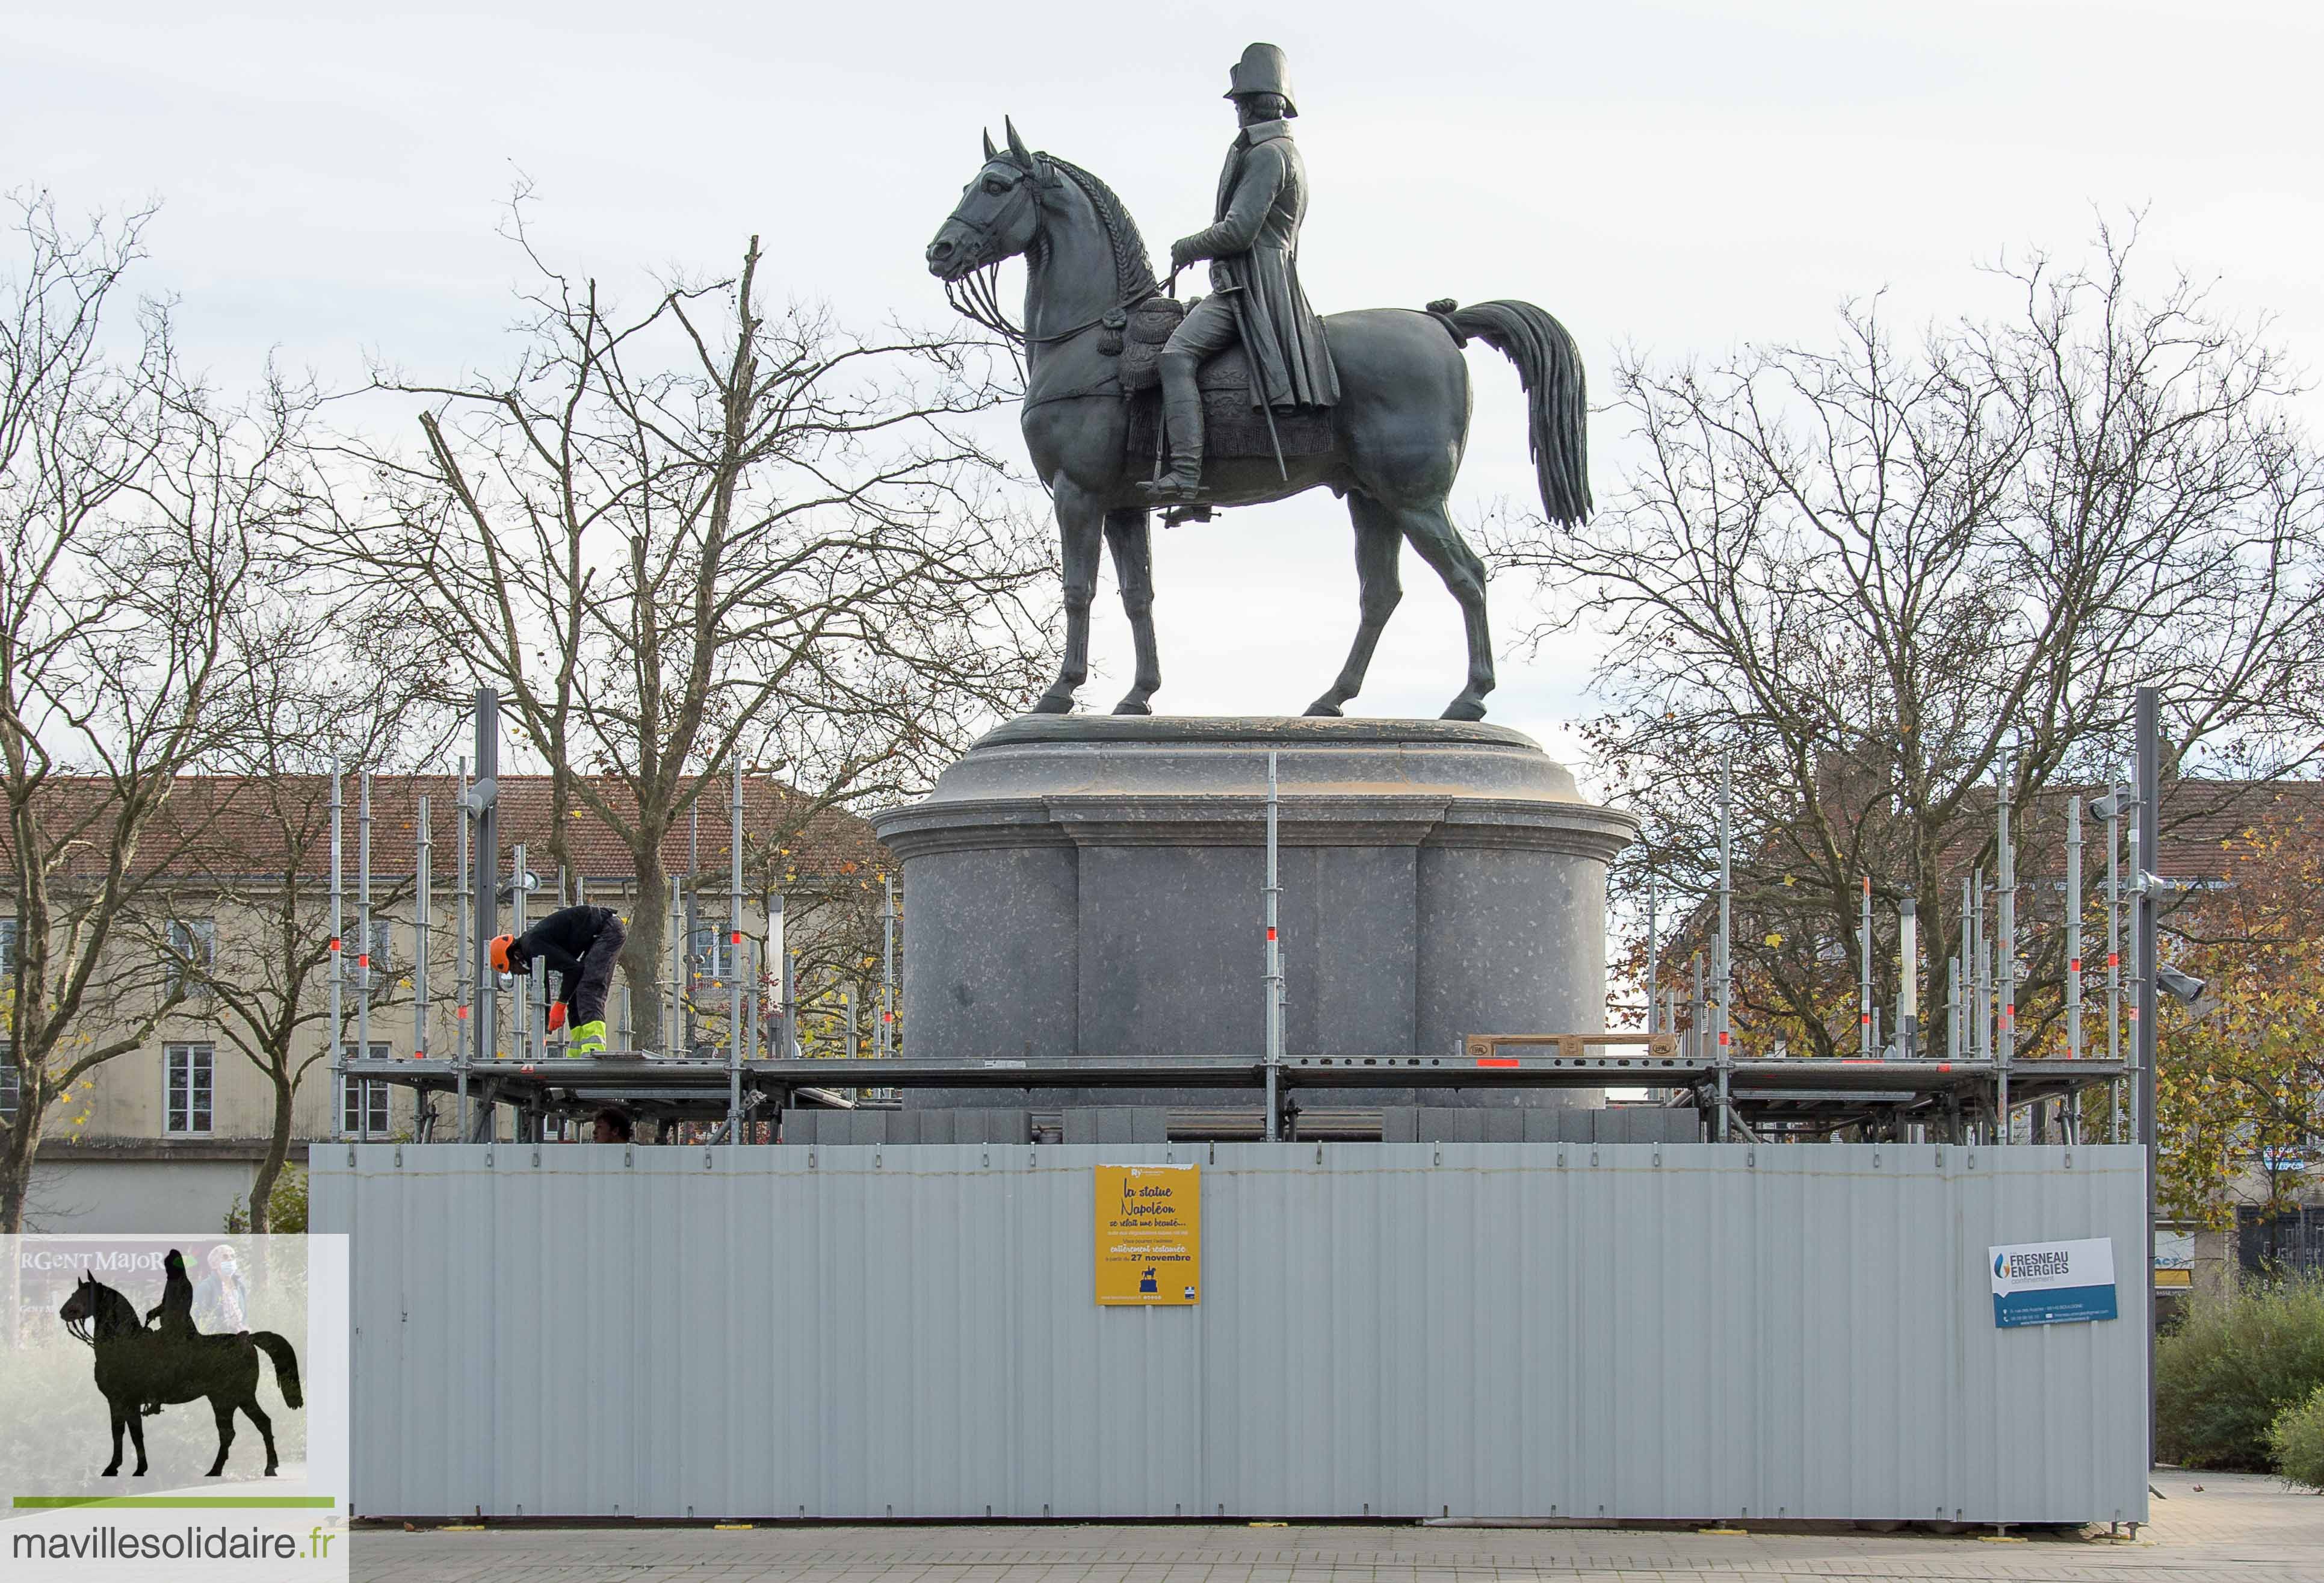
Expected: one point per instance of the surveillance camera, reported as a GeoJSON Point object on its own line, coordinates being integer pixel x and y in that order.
{"type": "Point", "coordinates": [2186, 988]}
{"type": "Point", "coordinates": [2113, 802]}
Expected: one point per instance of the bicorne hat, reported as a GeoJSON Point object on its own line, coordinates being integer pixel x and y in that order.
{"type": "Point", "coordinates": [1262, 70]}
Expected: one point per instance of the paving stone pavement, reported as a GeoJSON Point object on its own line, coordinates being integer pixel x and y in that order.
{"type": "Point", "coordinates": [2239, 1527]}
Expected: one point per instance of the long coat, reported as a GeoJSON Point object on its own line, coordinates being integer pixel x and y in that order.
{"type": "Point", "coordinates": [1254, 246]}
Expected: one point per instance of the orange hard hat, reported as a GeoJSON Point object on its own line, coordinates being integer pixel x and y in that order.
{"type": "Point", "coordinates": [499, 951]}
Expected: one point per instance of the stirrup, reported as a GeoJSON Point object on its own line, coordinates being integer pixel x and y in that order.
{"type": "Point", "coordinates": [1178, 484]}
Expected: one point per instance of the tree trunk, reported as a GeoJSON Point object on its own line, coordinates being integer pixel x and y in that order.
{"type": "Point", "coordinates": [24, 1148]}
{"type": "Point", "coordinates": [278, 1149]}
{"type": "Point", "coordinates": [641, 957]}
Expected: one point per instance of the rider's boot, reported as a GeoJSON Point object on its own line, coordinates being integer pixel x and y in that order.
{"type": "Point", "coordinates": [1182, 420]}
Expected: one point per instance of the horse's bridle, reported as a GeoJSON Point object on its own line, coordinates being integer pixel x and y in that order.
{"type": "Point", "coordinates": [979, 285]}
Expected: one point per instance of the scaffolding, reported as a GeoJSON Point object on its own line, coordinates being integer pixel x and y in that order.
{"type": "Point", "coordinates": [1890, 1089]}
{"type": "Point", "coordinates": [500, 1025]}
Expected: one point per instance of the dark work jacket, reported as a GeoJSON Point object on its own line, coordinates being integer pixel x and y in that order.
{"type": "Point", "coordinates": [1255, 246]}
{"type": "Point", "coordinates": [561, 939]}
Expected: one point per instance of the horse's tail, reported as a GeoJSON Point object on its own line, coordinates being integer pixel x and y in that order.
{"type": "Point", "coordinates": [1557, 397]}
{"type": "Point", "coordinates": [286, 1364]}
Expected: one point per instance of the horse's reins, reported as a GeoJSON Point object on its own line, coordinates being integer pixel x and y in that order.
{"type": "Point", "coordinates": [980, 285]}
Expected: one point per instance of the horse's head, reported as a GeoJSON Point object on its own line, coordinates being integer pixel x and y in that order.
{"type": "Point", "coordinates": [998, 215]}
{"type": "Point", "coordinates": [86, 1310]}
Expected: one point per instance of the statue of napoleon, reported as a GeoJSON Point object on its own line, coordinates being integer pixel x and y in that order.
{"type": "Point", "coordinates": [1253, 247]}
{"type": "Point", "coordinates": [1246, 395]}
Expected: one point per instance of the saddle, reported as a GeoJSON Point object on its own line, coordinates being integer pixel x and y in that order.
{"type": "Point", "coordinates": [1231, 426]}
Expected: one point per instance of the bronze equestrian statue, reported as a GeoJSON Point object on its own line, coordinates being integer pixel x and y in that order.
{"type": "Point", "coordinates": [1372, 404]}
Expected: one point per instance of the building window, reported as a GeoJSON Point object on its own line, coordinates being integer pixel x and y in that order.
{"type": "Point", "coordinates": [363, 1101]}
{"type": "Point", "coordinates": [12, 1083]}
{"type": "Point", "coordinates": [8, 927]}
{"type": "Point", "coordinates": [193, 948]}
{"type": "Point", "coordinates": [191, 1070]}
{"type": "Point", "coordinates": [712, 956]}
{"type": "Point", "coordinates": [382, 956]}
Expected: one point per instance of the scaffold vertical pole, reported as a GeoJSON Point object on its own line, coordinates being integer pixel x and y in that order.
{"type": "Point", "coordinates": [1726, 956]}
{"type": "Point", "coordinates": [783, 1038]}
{"type": "Point", "coordinates": [1274, 961]}
{"type": "Point", "coordinates": [2148, 744]}
{"type": "Point", "coordinates": [2117, 1095]}
{"type": "Point", "coordinates": [884, 1036]}
{"type": "Point", "coordinates": [680, 945]}
{"type": "Point", "coordinates": [464, 993]}
{"type": "Point", "coordinates": [1654, 959]}
{"type": "Point", "coordinates": [1981, 988]}
{"type": "Point", "coordinates": [520, 1010]}
{"type": "Point", "coordinates": [1908, 977]}
{"type": "Point", "coordinates": [1955, 1010]}
{"type": "Point", "coordinates": [734, 956]}
{"type": "Point", "coordinates": [527, 1025]}
{"type": "Point", "coordinates": [483, 1032]}
{"type": "Point", "coordinates": [1864, 969]}
{"type": "Point", "coordinates": [423, 882]}
{"type": "Point", "coordinates": [2006, 945]}
{"type": "Point", "coordinates": [363, 949]}
{"type": "Point", "coordinates": [2074, 931]}
{"type": "Point", "coordinates": [787, 1013]}
{"type": "Point", "coordinates": [337, 986]}
{"type": "Point", "coordinates": [1698, 1015]}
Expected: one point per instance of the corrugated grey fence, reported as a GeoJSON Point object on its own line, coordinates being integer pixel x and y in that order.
{"type": "Point", "coordinates": [1387, 1329]}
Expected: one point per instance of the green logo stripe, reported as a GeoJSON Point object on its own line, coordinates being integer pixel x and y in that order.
{"type": "Point", "coordinates": [177, 1503]}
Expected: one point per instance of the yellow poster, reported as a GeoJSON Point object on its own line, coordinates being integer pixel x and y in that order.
{"type": "Point", "coordinates": [1150, 1236]}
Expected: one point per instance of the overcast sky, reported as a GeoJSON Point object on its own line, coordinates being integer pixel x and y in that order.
{"type": "Point", "coordinates": [1677, 177]}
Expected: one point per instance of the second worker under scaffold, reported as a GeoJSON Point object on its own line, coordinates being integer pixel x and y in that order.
{"type": "Point", "coordinates": [1253, 247]}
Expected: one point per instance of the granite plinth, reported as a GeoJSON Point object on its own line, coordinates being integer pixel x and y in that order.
{"type": "Point", "coordinates": [1084, 886]}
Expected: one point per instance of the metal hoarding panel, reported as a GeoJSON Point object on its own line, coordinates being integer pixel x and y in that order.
{"type": "Point", "coordinates": [1573, 1330]}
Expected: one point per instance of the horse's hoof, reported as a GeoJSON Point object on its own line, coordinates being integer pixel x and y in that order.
{"type": "Point", "coordinates": [1325, 706]}
{"type": "Point", "coordinates": [1133, 706]}
{"type": "Point", "coordinates": [1465, 709]}
{"type": "Point", "coordinates": [1050, 703]}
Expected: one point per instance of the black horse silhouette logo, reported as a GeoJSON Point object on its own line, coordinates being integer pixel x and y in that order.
{"type": "Point", "coordinates": [140, 1369]}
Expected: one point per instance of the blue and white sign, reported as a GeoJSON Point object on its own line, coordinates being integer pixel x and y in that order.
{"type": "Point", "coordinates": [2053, 1282]}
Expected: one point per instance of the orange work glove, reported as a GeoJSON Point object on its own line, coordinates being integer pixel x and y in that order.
{"type": "Point", "coordinates": [556, 1015]}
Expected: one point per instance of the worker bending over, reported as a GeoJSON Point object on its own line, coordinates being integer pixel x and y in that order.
{"type": "Point", "coordinates": [578, 944]}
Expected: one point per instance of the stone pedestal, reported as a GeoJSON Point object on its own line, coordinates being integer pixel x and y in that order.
{"type": "Point", "coordinates": [1092, 886]}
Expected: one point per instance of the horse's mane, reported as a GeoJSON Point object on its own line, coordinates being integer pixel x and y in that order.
{"type": "Point", "coordinates": [112, 1305]}
{"type": "Point", "coordinates": [1133, 272]}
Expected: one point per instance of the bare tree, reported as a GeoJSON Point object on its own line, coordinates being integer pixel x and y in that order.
{"type": "Point", "coordinates": [697, 532]}
{"type": "Point", "coordinates": [316, 689]}
{"type": "Point", "coordinates": [1870, 574]}
{"type": "Point", "coordinates": [133, 515]}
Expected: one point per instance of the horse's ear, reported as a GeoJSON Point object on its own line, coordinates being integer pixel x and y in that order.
{"type": "Point", "coordinates": [991, 152]}
{"type": "Point", "coordinates": [1017, 149]}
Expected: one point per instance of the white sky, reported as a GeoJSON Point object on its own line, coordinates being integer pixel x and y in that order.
{"type": "Point", "coordinates": [1681, 177]}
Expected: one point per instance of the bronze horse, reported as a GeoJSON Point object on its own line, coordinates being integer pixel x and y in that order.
{"type": "Point", "coordinates": [1396, 435]}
